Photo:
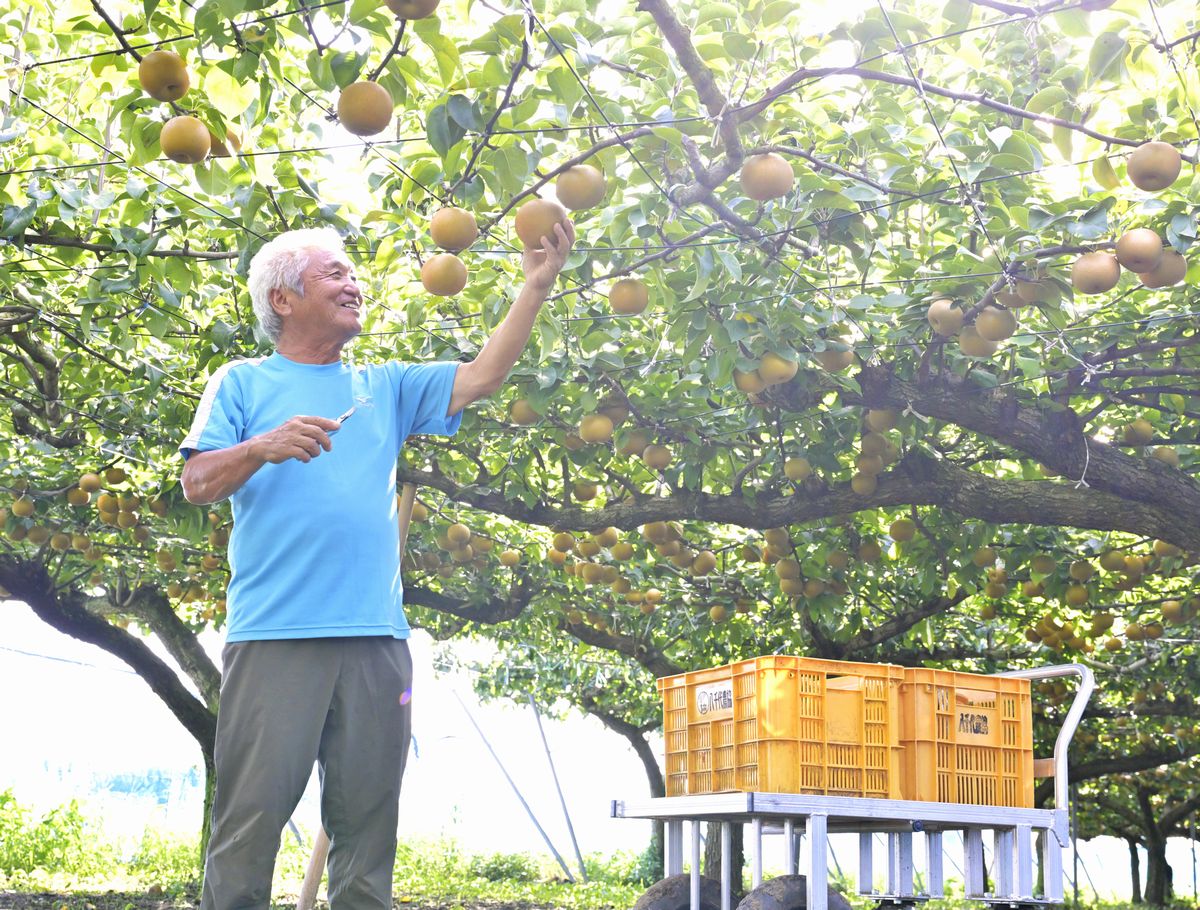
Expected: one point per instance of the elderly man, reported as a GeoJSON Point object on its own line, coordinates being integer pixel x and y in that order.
{"type": "Point", "coordinates": [316, 664]}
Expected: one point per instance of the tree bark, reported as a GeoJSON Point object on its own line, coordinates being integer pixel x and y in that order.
{"type": "Point", "coordinates": [1159, 887]}
{"type": "Point", "coordinates": [712, 854]}
{"type": "Point", "coordinates": [1106, 504]}
{"type": "Point", "coordinates": [1158, 871]}
{"type": "Point", "coordinates": [1135, 871]}
{"type": "Point", "coordinates": [210, 789]}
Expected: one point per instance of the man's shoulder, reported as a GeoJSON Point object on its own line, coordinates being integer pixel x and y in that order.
{"type": "Point", "coordinates": [241, 367]}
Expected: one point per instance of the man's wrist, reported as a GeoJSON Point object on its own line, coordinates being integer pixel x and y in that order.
{"type": "Point", "coordinates": [254, 451]}
{"type": "Point", "coordinates": [538, 288]}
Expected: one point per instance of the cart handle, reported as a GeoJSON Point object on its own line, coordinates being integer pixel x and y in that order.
{"type": "Point", "coordinates": [1087, 684]}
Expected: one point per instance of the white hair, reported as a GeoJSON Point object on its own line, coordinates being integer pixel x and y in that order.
{"type": "Point", "coordinates": [279, 265]}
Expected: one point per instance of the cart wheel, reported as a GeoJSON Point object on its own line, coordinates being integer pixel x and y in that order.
{"type": "Point", "coordinates": [787, 892]}
{"type": "Point", "coordinates": [675, 891]}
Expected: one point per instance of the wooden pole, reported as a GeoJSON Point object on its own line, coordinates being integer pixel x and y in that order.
{"type": "Point", "coordinates": [320, 853]}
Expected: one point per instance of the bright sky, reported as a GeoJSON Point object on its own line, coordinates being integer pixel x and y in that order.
{"type": "Point", "coordinates": [71, 721]}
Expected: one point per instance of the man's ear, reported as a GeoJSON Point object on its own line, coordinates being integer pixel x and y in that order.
{"type": "Point", "coordinates": [279, 302]}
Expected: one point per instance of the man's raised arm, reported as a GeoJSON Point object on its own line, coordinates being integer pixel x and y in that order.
{"type": "Point", "coordinates": [487, 372]}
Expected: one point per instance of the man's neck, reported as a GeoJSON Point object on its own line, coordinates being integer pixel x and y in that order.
{"type": "Point", "coordinates": [309, 353]}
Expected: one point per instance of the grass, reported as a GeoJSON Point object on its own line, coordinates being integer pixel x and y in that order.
{"type": "Point", "coordinates": [65, 851]}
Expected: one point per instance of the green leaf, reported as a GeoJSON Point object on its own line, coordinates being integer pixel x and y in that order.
{"type": "Point", "coordinates": [711, 11]}
{"type": "Point", "coordinates": [1047, 99]}
{"type": "Point", "coordinates": [1103, 173]}
{"type": "Point", "coordinates": [442, 131]}
{"type": "Point", "coordinates": [1064, 138]}
{"type": "Point", "coordinates": [1107, 59]}
{"type": "Point", "coordinates": [229, 95]}
{"type": "Point", "coordinates": [464, 113]}
{"type": "Point", "coordinates": [445, 51]}
{"type": "Point", "coordinates": [566, 88]}
{"type": "Point", "coordinates": [347, 67]}
{"type": "Point", "coordinates": [17, 219]}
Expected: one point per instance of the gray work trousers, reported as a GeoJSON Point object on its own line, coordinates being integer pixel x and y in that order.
{"type": "Point", "coordinates": [342, 702]}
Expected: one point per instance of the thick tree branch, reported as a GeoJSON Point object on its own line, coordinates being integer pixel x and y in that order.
{"type": "Point", "coordinates": [635, 736]}
{"type": "Point", "coordinates": [79, 243]}
{"type": "Point", "coordinates": [805, 74]}
{"type": "Point", "coordinates": [488, 612]}
{"type": "Point", "coordinates": [1054, 438]}
{"type": "Point", "coordinates": [654, 661]}
{"type": "Point", "coordinates": [702, 77]}
{"type": "Point", "coordinates": [1178, 813]}
{"type": "Point", "coordinates": [1102, 767]}
{"type": "Point", "coordinates": [919, 479]}
{"type": "Point", "coordinates": [65, 611]}
{"type": "Point", "coordinates": [152, 607]}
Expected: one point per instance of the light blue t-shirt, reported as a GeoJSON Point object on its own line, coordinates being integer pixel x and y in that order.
{"type": "Point", "coordinates": [315, 549]}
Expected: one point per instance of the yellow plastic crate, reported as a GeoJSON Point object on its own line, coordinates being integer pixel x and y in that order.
{"type": "Point", "coordinates": [968, 738]}
{"type": "Point", "coordinates": [783, 724]}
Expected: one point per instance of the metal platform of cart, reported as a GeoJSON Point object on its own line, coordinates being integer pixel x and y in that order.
{"type": "Point", "coordinates": [1014, 833]}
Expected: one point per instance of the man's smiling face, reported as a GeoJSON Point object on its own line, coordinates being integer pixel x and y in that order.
{"type": "Point", "coordinates": [330, 307]}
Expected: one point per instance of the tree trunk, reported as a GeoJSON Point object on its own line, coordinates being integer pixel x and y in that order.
{"type": "Point", "coordinates": [1135, 871]}
{"type": "Point", "coordinates": [656, 852]}
{"type": "Point", "coordinates": [210, 787]}
{"type": "Point", "coordinates": [712, 854]}
{"type": "Point", "coordinates": [636, 737]}
{"type": "Point", "coordinates": [1158, 873]}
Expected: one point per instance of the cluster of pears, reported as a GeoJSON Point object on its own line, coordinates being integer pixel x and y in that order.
{"type": "Point", "coordinates": [876, 451]}
{"type": "Point", "coordinates": [654, 455]}
{"type": "Point", "coordinates": [1140, 432]}
{"type": "Point", "coordinates": [773, 369]}
{"type": "Point", "coordinates": [585, 550]}
{"type": "Point", "coordinates": [164, 76]}
{"type": "Point", "coordinates": [1127, 570]}
{"type": "Point", "coordinates": [460, 544]}
{"type": "Point", "coordinates": [777, 367]}
{"type": "Point", "coordinates": [1152, 166]}
{"type": "Point", "coordinates": [598, 428]}
{"type": "Point", "coordinates": [365, 108]}
{"type": "Point", "coordinates": [780, 554]}
{"type": "Point", "coordinates": [668, 541]}
{"type": "Point", "coordinates": [1139, 250]}
{"type": "Point", "coordinates": [996, 322]}
{"type": "Point", "coordinates": [191, 589]}
{"type": "Point", "coordinates": [454, 229]}
{"type": "Point", "coordinates": [463, 547]}
{"type": "Point", "coordinates": [115, 509]}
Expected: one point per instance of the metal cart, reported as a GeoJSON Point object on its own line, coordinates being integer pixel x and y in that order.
{"type": "Point", "coordinates": [1013, 831]}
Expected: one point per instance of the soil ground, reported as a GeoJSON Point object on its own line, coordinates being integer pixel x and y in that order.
{"type": "Point", "coordinates": [141, 900]}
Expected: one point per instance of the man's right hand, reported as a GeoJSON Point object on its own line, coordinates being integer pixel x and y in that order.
{"type": "Point", "coordinates": [302, 438]}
